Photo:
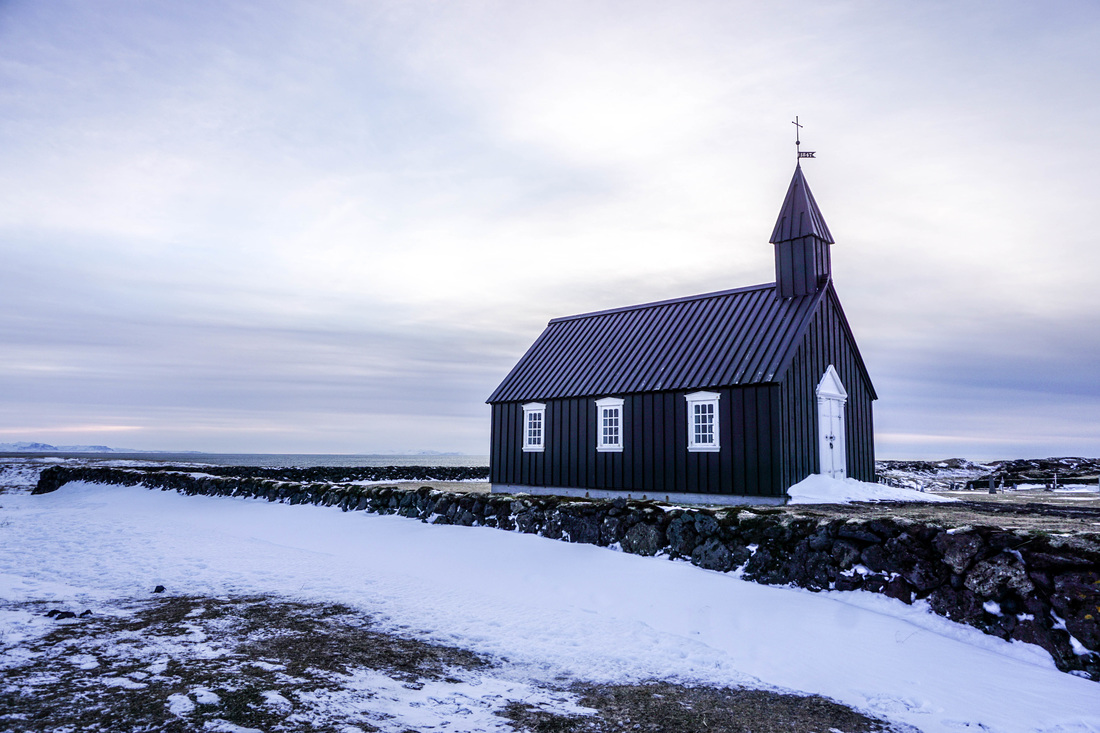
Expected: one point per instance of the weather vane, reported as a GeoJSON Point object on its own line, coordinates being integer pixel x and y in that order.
{"type": "Point", "coordinates": [797, 141]}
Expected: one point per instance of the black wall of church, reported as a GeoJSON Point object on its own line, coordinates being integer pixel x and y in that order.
{"type": "Point", "coordinates": [655, 458]}
{"type": "Point", "coordinates": [801, 265]}
{"type": "Point", "coordinates": [827, 342]}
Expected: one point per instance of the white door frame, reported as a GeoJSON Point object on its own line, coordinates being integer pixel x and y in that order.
{"type": "Point", "coordinates": [831, 399]}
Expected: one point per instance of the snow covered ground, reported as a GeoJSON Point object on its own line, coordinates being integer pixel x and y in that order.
{"type": "Point", "coordinates": [820, 489]}
{"type": "Point", "coordinates": [554, 610]}
{"type": "Point", "coordinates": [21, 474]}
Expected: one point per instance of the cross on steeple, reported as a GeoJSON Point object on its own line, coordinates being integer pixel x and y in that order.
{"type": "Point", "coordinates": [797, 141]}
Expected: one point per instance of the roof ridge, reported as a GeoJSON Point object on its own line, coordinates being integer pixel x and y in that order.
{"type": "Point", "coordinates": [670, 301]}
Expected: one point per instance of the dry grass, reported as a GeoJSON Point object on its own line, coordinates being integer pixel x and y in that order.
{"type": "Point", "coordinates": [118, 672]}
{"type": "Point", "coordinates": [188, 663]}
{"type": "Point", "coordinates": [661, 707]}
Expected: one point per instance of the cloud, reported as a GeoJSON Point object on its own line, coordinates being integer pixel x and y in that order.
{"type": "Point", "coordinates": [341, 223]}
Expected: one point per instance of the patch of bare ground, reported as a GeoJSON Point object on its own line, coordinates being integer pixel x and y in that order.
{"type": "Point", "coordinates": [672, 708]}
{"type": "Point", "coordinates": [260, 663]}
{"type": "Point", "coordinates": [179, 663]}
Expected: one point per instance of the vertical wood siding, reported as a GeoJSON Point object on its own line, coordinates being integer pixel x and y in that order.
{"type": "Point", "coordinates": [800, 265]}
{"type": "Point", "coordinates": [655, 458]}
{"type": "Point", "coordinates": [827, 342]}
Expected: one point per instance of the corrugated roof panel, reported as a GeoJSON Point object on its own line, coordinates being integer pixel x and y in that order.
{"type": "Point", "coordinates": [771, 337]}
{"type": "Point", "coordinates": [608, 335]}
{"type": "Point", "coordinates": [799, 215]}
{"type": "Point", "coordinates": [792, 336]}
{"type": "Point", "coordinates": [704, 342]}
{"type": "Point", "coordinates": [649, 365]}
{"type": "Point", "coordinates": [728, 355]}
{"type": "Point", "coordinates": [770, 321]}
{"type": "Point", "coordinates": [748, 339]}
{"type": "Point", "coordinates": [655, 364]}
{"type": "Point", "coordinates": [684, 338]}
{"type": "Point", "coordinates": [726, 338]}
{"type": "Point", "coordinates": [554, 369]}
{"type": "Point", "coordinates": [623, 365]}
{"type": "Point", "coordinates": [710, 341]}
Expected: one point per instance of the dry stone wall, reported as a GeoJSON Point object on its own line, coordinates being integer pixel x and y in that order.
{"type": "Point", "coordinates": [1026, 586]}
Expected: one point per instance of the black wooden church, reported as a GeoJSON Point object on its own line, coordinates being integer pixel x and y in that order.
{"type": "Point", "coordinates": [723, 397]}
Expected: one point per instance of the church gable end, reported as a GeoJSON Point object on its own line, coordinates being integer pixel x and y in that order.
{"type": "Point", "coordinates": [828, 342]}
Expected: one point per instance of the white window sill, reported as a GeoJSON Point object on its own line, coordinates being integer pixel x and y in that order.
{"type": "Point", "coordinates": [609, 449]}
{"type": "Point", "coordinates": [704, 449]}
{"type": "Point", "coordinates": [532, 449]}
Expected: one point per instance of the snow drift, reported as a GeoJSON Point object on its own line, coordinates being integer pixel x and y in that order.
{"type": "Point", "coordinates": [820, 489]}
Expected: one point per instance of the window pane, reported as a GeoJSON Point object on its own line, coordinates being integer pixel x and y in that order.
{"type": "Point", "coordinates": [534, 428]}
{"type": "Point", "coordinates": [609, 426]}
{"type": "Point", "coordinates": [703, 423]}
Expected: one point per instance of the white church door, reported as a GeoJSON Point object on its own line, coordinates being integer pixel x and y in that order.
{"type": "Point", "coordinates": [831, 398]}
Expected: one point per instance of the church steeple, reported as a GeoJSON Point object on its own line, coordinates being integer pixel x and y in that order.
{"type": "Point", "coordinates": [801, 239]}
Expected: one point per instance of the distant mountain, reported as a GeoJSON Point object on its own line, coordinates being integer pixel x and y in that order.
{"type": "Point", "coordinates": [47, 448]}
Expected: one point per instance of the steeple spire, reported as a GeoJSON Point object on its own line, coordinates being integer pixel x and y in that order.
{"type": "Point", "coordinates": [799, 215]}
{"type": "Point", "coordinates": [801, 239]}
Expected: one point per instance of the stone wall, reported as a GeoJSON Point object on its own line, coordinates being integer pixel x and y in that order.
{"type": "Point", "coordinates": [1027, 586]}
{"type": "Point", "coordinates": [334, 474]}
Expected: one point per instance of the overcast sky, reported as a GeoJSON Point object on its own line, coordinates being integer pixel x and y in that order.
{"type": "Point", "coordinates": [334, 226]}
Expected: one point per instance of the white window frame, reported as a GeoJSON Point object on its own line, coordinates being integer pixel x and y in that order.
{"type": "Point", "coordinates": [531, 412]}
{"type": "Point", "coordinates": [604, 408]}
{"type": "Point", "coordinates": [703, 399]}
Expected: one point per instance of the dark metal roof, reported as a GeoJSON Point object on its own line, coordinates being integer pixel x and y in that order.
{"type": "Point", "coordinates": [799, 216]}
{"type": "Point", "coordinates": [732, 337]}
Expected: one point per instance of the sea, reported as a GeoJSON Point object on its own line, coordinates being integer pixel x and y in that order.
{"type": "Point", "coordinates": [271, 460]}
